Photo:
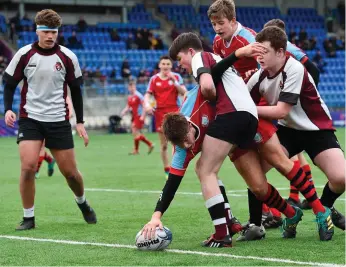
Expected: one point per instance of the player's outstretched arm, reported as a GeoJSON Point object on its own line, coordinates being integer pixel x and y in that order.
{"type": "Point", "coordinates": [124, 111]}
{"type": "Point", "coordinates": [166, 197]}
{"type": "Point", "coordinates": [251, 50]}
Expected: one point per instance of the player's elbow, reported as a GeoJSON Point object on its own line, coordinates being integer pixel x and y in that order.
{"type": "Point", "coordinates": [209, 92]}
{"type": "Point", "coordinates": [282, 113]}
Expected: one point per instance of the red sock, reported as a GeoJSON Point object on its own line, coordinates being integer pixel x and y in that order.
{"type": "Point", "coordinates": [298, 179]}
{"type": "Point", "coordinates": [145, 140]}
{"type": "Point", "coordinates": [308, 173]}
{"type": "Point", "coordinates": [136, 140]}
{"type": "Point", "coordinates": [47, 157]}
{"type": "Point", "coordinates": [294, 193]}
{"type": "Point", "coordinates": [274, 200]}
{"type": "Point", "coordinates": [265, 208]}
{"type": "Point", "coordinates": [39, 163]}
{"type": "Point", "coordinates": [275, 212]}
{"type": "Point", "coordinates": [166, 169]}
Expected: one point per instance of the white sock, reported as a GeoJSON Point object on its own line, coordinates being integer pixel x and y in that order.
{"type": "Point", "coordinates": [28, 213]}
{"type": "Point", "coordinates": [81, 199]}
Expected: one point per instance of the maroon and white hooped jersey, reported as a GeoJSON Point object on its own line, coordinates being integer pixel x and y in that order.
{"type": "Point", "coordinates": [293, 85]}
{"type": "Point", "coordinates": [45, 74]}
{"type": "Point", "coordinates": [232, 93]}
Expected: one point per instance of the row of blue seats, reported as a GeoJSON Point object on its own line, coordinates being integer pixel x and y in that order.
{"type": "Point", "coordinates": [121, 52]}
{"type": "Point", "coordinates": [331, 88]}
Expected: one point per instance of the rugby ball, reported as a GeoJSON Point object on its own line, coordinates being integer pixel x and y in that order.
{"type": "Point", "coordinates": [161, 241]}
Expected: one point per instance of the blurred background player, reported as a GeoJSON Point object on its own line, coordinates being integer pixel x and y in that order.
{"type": "Point", "coordinates": [165, 87]}
{"type": "Point", "coordinates": [135, 105]}
{"type": "Point", "coordinates": [40, 118]}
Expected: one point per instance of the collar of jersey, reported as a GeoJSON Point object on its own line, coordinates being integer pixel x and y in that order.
{"type": "Point", "coordinates": [280, 70]}
{"type": "Point", "coordinates": [228, 44]}
{"type": "Point", "coordinates": [45, 52]}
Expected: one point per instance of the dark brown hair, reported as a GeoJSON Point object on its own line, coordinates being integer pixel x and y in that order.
{"type": "Point", "coordinates": [183, 42]}
{"type": "Point", "coordinates": [276, 22]}
{"type": "Point", "coordinates": [48, 17]}
{"type": "Point", "coordinates": [274, 35]}
{"type": "Point", "coordinates": [222, 9]}
{"type": "Point", "coordinates": [175, 127]}
{"type": "Point", "coordinates": [165, 57]}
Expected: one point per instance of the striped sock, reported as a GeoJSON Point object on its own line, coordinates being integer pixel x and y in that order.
{"type": "Point", "coordinates": [216, 208]}
{"type": "Point", "coordinates": [39, 163]}
{"type": "Point", "coordinates": [274, 200]}
{"type": "Point", "coordinates": [308, 173]}
{"type": "Point", "coordinates": [48, 158]}
{"type": "Point", "coordinates": [294, 193]}
{"type": "Point", "coordinates": [298, 179]}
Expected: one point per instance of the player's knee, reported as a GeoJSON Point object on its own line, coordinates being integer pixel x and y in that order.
{"type": "Point", "coordinates": [69, 174]}
{"type": "Point", "coordinates": [259, 191]}
{"type": "Point", "coordinates": [338, 180]}
{"type": "Point", "coordinates": [29, 167]}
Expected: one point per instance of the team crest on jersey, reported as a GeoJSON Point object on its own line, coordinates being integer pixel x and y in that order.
{"type": "Point", "coordinates": [223, 51]}
{"type": "Point", "coordinates": [58, 66]}
{"type": "Point", "coordinates": [158, 84]}
{"type": "Point", "coordinates": [170, 82]}
{"type": "Point", "coordinates": [205, 121]}
{"type": "Point", "coordinates": [258, 138]}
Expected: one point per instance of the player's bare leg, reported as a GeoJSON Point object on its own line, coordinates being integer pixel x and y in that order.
{"type": "Point", "coordinates": [214, 151]}
{"type": "Point", "coordinates": [29, 151]}
{"type": "Point", "coordinates": [163, 152]}
{"type": "Point", "coordinates": [136, 134]}
{"type": "Point", "coordinates": [67, 165]}
{"type": "Point", "coordinates": [332, 163]}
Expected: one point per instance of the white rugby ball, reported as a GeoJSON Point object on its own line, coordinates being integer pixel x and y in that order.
{"type": "Point", "coordinates": [161, 241]}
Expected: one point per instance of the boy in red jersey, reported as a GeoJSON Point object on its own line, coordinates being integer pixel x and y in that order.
{"type": "Point", "coordinates": [165, 87]}
{"type": "Point", "coordinates": [134, 104]}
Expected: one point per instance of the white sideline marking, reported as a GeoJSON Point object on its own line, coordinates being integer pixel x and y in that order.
{"type": "Point", "coordinates": [229, 193]}
{"type": "Point", "coordinates": [191, 252]}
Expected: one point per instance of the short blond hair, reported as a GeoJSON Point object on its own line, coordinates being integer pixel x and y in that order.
{"type": "Point", "coordinates": [49, 18]}
{"type": "Point", "coordinates": [222, 9]}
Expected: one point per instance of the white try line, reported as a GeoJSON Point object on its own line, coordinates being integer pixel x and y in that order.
{"type": "Point", "coordinates": [189, 252]}
{"type": "Point", "coordinates": [229, 193]}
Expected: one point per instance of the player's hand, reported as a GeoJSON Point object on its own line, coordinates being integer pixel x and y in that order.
{"type": "Point", "coordinates": [172, 77]}
{"type": "Point", "coordinates": [149, 109]}
{"type": "Point", "coordinates": [249, 74]}
{"type": "Point", "coordinates": [251, 50]}
{"type": "Point", "coordinates": [141, 118]}
{"type": "Point", "coordinates": [150, 228]}
{"type": "Point", "coordinates": [10, 118]}
{"type": "Point", "coordinates": [82, 133]}
{"type": "Point", "coordinates": [122, 114]}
